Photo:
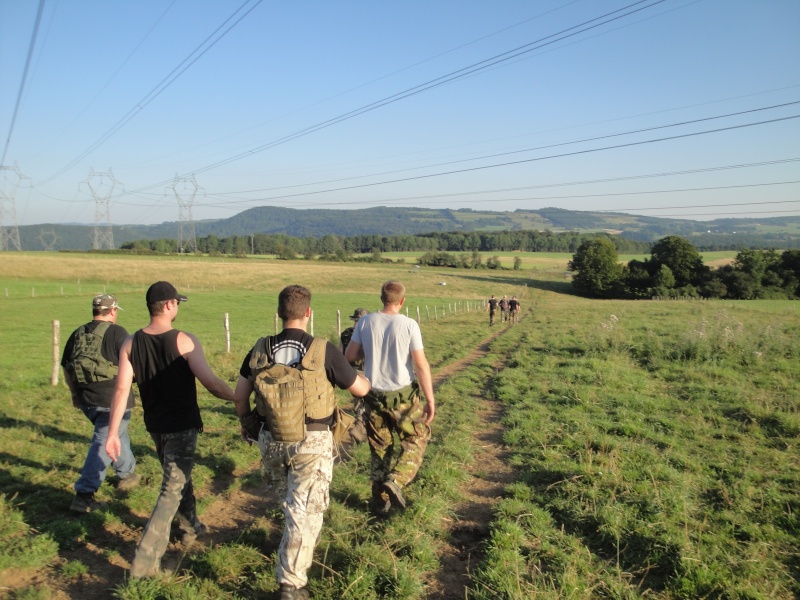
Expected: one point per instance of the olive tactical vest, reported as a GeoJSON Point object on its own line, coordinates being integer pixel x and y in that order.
{"type": "Point", "coordinates": [286, 395]}
{"type": "Point", "coordinates": [87, 363]}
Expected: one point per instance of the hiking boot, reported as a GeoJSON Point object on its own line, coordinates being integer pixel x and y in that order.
{"type": "Point", "coordinates": [129, 482]}
{"type": "Point", "coordinates": [381, 503]}
{"type": "Point", "coordinates": [200, 530]}
{"type": "Point", "coordinates": [289, 592]}
{"type": "Point", "coordinates": [396, 496]}
{"type": "Point", "coordinates": [84, 502]}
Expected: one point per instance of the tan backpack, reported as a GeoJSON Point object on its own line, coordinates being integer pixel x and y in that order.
{"type": "Point", "coordinates": [286, 395]}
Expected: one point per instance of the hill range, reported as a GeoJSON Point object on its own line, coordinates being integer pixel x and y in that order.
{"type": "Point", "coordinates": [774, 232]}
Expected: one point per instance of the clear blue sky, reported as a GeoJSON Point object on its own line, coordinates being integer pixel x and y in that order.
{"type": "Point", "coordinates": [499, 105]}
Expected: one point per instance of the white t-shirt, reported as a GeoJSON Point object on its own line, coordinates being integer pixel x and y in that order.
{"type": "Point", "coordinates": [388, 341]}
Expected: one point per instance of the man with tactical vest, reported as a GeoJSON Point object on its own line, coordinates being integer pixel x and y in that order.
{"type": "Point", "coordinates": [91, 362]}
{"type": "Point", "coordinates": [165, 363]}
{"type": "Point", "coordinates": [293, 376]}
{"type": "Point", "coordinates": [397, 368]}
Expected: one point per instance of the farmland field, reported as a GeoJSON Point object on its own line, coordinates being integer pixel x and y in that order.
{"type": "Point", "coordinates": [651, 447]}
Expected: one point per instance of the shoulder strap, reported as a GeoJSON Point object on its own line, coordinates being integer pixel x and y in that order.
{"type": "Point", "coordinates": [314, 359]}
{"type": "Point", "coordinates": [261, 356]}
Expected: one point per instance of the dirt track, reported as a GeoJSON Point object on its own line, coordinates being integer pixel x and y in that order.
{"type": "Point", "coordinates": [229, 515]}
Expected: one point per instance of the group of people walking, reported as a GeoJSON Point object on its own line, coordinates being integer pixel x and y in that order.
{"type": "Point", "coordinates": [510, 309]}
{"type": "Point", "coordinates": [291, 377]}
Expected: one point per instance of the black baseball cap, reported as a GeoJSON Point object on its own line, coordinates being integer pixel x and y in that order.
{"type": "Point", "coordinates": [163, 290]}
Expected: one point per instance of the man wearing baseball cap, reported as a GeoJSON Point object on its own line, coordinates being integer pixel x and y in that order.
{"type": "Point", "coordinates": [165, 363]}
{"type": "Point", "coordinates": [91, 362]}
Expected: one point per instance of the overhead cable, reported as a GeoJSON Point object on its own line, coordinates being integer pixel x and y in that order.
{"type": "Point", "coordinates": [173, 75]}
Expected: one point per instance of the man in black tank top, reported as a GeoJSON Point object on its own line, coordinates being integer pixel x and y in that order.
{"type": "Point", "coordinates": [165, 363]}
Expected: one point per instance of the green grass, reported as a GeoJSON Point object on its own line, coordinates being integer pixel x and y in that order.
{"type": "Point", "coordinates": [655, 443]}
{"type": "Point", "coordinates": [657, 452]}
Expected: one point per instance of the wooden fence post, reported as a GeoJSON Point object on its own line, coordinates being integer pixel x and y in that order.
{"type": "Point", "coordinates": [276, 323]}
{"type": "Point", "coordinates": [418, 318]}
{"type": "Point", "coordinates": [227, 334]}
{"type": "Point", "coordinates": [56, 334]}
{"type": "Point", "coordinates": [312, 323]}
{"type": "Point", "coordinates": [338, 322]}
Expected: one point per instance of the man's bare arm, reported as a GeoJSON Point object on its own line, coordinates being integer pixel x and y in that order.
{"type": "Point", "coordinates": [361, 386]}
{"type": "Point", "coordinates": [120, 402]}
{"type": "Point", "coordinates": [423, 372]}
{"type": "Point", "coordinates": [190, 348]}
{"type": "Point", "coordinates": [241, 396]}
{"type": "Point", "coordinates": [354, 352]}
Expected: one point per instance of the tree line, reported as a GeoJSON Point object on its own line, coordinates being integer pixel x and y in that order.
{"type": "Point", "coordinates": [675, 269]}
{"type": "Point", "coordinates": [331, 247]}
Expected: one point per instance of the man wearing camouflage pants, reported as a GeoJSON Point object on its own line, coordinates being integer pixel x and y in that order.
{"type": "Point", "coordinates": [397, 368]}
{"type": "Point", "coordinates": [301, 470]}
{"type": "Point", "coordinates": [165, 363]}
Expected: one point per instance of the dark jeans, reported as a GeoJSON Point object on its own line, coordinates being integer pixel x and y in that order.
{"type": "Point", "coordinates": [176, 453]}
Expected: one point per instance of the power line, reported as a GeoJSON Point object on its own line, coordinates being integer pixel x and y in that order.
{"type": "Point", "coordinates": [529, 160]}
{"type": "Point", "coordinates": [556, 145]}
{"type": "Point", "coordinates": [436, 82]}
{"type": "Point", "coordinates": [173, 75]}
{"type": "Point", "coordinates": [24, 78]}
{"type": "Point", "coordinates": [113, 75]}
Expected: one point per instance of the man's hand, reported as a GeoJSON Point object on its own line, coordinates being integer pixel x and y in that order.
{"type": "Point", "coordinates": [430, 411]}
{"type": "Point", "coordinates": [113, 447]}
{"type": "Point", "coordinates": [251, 427]}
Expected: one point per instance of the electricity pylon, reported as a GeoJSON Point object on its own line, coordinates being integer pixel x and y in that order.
{"type": "Point", "coordinates": [10, 180]}
{"type": "Point", "coordinates": [102, 187]}
{"type": "Point", "coordinates": [185, 189]}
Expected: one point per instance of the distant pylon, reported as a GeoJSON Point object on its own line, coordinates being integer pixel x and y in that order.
{"type": "Point", "coordinates": [102, 187]}
{"type": "Point", "coordinates": [185, 189]}
{"type": "Point", "coordinates": [48, 238]}
{"type": "Point", "coordinates": [10, 180]}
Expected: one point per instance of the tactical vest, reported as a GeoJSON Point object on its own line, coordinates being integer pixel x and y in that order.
{"type": "Point", "coordinates": [286, 396]}
{"type": "Point", "coordinates": [87, 363]}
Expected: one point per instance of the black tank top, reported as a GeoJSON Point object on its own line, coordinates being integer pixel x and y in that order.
{"type": "Point", "coordinates": [166, 383]}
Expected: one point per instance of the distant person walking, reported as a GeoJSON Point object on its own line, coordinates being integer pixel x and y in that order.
{"type": "Point", "coordinates": [293, 376]}
{"type": "Point", "coordinates": [504, 308]}
{"type": "Point", "coordinates": [514, 309]}
{"type": "Point", "coordinates": [165, 363]}
{"type": "Point", "coordinates": [91, 363]}
{"type": "Point", "coordinates": [395, 364]}
{"type": "Point", "coordinates": [492, 307]}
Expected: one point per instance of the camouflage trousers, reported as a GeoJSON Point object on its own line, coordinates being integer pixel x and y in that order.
{"type": "Point", "coordinates": [176, 453]}
{"type": "Point", "coordinates": [397, 413]}
{"type": "Point", "coordinates": [301, 473]}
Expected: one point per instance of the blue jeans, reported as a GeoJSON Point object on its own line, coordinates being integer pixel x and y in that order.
{"type": "Point", "coordinates": [94, 467]}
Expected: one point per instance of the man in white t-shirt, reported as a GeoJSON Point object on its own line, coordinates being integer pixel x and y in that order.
{"type": "Point", "coordinates": [396, 366]}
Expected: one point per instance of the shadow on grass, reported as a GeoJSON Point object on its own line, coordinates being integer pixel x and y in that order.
{"type": "Point", "coordinates": [46, 430]}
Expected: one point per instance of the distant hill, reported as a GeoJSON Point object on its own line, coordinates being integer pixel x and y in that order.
{"type": "Point", "coordinates": [778, 232]}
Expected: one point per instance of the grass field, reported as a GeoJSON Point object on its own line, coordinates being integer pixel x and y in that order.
{"type": "Point", "coordinates": [655, 444]}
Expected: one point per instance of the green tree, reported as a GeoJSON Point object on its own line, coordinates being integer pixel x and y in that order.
{"type": "Point", "coordinates": [517, 263]}
{"type": "Point", "coordinates": [682, 259]}
{"type": "Point", "coordinates": [596, 268]}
